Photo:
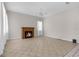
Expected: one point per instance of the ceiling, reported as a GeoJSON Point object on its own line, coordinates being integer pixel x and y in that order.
{"type": "Point", "coordinates": [40, 8]}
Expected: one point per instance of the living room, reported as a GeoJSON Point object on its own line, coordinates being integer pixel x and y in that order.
{"type": "Point", "coordinates": [39, 29]}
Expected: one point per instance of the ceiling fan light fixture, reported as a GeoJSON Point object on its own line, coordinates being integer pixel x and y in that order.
{"type": "Point", "coordinates": [67, 3]}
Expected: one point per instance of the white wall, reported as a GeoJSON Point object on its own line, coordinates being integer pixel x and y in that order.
{"type": "Point", "coordinates": [17, 21]}
{"type": "Point", "coordinates": [63, 25]}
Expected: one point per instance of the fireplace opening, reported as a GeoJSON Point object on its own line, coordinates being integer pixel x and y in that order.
{"type": "Point", "coordinates": [27, 32]}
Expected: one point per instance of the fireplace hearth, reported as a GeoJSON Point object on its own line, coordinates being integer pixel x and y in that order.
{"type": "Point", "coordinates": [27, 32]}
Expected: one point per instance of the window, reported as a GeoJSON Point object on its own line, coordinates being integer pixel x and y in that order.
{"type": "Point", "coordinates": [40, 28]}
{"type": "Point", "coordinates": [5, 21]}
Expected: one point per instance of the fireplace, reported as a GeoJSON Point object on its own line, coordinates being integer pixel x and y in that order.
{"type": "Point", "coordinates": [27, 32]}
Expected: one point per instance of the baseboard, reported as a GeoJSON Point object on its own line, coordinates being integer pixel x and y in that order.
{"type": "Point", "coordinates": [59, 38]}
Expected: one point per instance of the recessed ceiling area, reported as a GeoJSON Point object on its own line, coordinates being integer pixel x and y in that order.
{"type": "Point", "coordinates": [40, 8]}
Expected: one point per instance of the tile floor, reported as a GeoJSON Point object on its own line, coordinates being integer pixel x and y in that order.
{"type": "Point", "coordinates": [37, 47]}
